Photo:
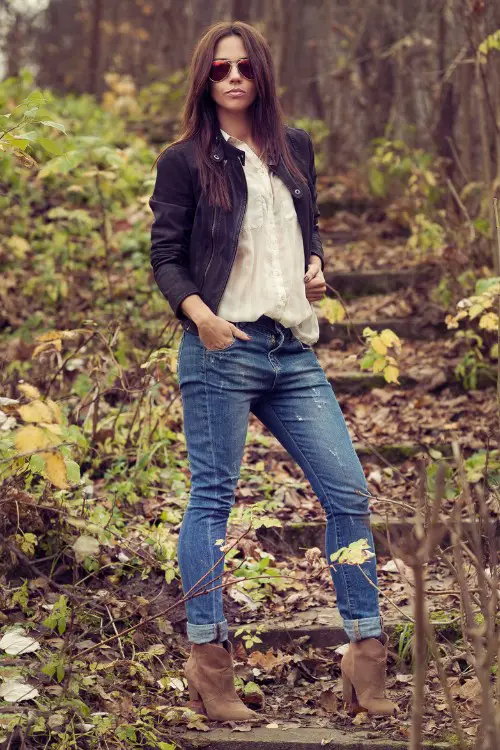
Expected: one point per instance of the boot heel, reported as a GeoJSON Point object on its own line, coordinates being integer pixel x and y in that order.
{"type": "Point", "coordinates": [195, 700]}
{"type": "Point", "coordinates": [349, 694]}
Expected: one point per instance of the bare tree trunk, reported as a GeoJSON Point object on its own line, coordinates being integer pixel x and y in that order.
{"type": "Point", "coordinates": [467, 87]}
{"type": "Point", "coordinates": [13, 46]}
{"type": "Point", "coordinates": [95, 47]}
{"type": "Point", "coordinates": [274, 22]}
{"type": "Point", "coordinates": [376, 68]}
{"type": "Point", "coordinates": [443, 131]}
{"type": "Point", "coordinates": [241, 10]}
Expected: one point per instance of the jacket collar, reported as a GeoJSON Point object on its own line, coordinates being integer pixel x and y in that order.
{"type": "Point", "coordinates": [223, 149]}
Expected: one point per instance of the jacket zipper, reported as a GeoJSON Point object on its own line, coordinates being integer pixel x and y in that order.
{"type": "Point", "coordinates": [235, 246]}
{"type": "Point", "coordinates": [213, 247]}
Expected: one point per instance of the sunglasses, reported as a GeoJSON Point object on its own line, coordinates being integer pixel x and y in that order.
{"type": "Point", "coordinates": [221, 68]}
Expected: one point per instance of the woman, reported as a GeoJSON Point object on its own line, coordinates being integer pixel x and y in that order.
{"type": "Point", "coordinates": [236, 252]}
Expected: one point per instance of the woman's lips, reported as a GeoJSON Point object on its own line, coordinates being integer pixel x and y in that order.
{"type": "Point", "coordinates": [236, 94]}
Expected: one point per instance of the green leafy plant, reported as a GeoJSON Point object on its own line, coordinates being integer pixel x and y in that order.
{"type": "Point", "coordinates": [58, 618]}
{"type": "Point", "coordinates": [478, 312]}
{"type": "Point", "coordinates": [409, 178]}
{"type": "Point", "coordinates": [249, 635]}
{"type": "Point", "coordinates": [492, 42]}
{"type": "Point", "coordinates": [25, 128]}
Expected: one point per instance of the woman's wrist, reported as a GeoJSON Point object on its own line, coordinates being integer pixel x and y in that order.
{"type": "Point", "coordinates": [196, 309]}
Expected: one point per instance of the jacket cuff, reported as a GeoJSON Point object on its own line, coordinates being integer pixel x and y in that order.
{"type": "Point", "coordinates": [177, 291]}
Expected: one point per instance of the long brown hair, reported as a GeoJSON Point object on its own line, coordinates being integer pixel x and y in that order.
{"type": "Point", "coordinates": [199, 116]}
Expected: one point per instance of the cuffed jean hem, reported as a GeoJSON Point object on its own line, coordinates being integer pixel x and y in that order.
{"type": "Point", "coordinates": [357, 630]}
{"type": "Point", "coordinates": [211, 631]}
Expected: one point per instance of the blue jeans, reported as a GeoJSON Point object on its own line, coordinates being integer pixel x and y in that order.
{"type": "Point", "coordinates": [280, 380]}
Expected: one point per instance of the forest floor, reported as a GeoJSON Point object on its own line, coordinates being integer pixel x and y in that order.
{"type": "Point", "coordinates": [298, 671]}
{"type": "Point", "coordinates": [292, 674]}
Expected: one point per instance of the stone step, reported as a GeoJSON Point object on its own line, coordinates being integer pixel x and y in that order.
{"type": "Point", "coordinates": [360, 283]}
{"type": "Point", "coordinates": [394, 453]}
{"type": "Point", "coordinates": [329, 206]}
{"type": "Point", "coordinates": [295, 538]}
{"type": "Point", "coordinates": [340, 236]}
{"type": "Point", "coordinates": [295, 738]}
{"type": "Point", "coordinates": [414, 328]}
{"type": "Point", "coordinates": [322, 627]}
{"type": "Point", "coordinates": [360, 381]}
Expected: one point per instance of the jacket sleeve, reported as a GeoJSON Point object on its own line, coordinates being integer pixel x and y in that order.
{"type": "Point", "coordinates": [317, 245]}
{"type": "Point", "coordinates": [173, 206]}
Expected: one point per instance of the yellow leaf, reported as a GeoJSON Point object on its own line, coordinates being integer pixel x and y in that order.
{"type": "Point", "coordinates": [475, 310]}
{"type": "Point", "coordinates": [49, 336]}
{"type": "Point", "coordinates": [391, 374]}
{"type": "Point", "coordinates": [430, 178]}
{"type": "Point", "coordinates": [53, 437]}
{"type": "Point", "coordinates": [379, 364]}
{"type": "Point", "coordinates": [29, 390]}
{"type": "Point", "coordinates": [19, 246]}
{"type": "Point", "coordinates": [355, 554]}
{"type": "Point", "coordinates": [56, 469]}
{"type": "Point", "coordinates": [55, 429]}
{"type": "Point", "coordinates": [70, 334]}
{"type": "Point", "coordinates": [389, 338]}
{"type": "Point", "coordinates": [30, 438]}
{"type": "Point", "coordinates": [55, 410]}
{"type": "Point", "coordinates": [36, 411]}
{"type": "Point", "coordinates": [489, 321]}
{"type": "Point", "coordinates": [379, 345]}
{"type": "Point", "coordinates": [332, 310]}
{"type": "Point", "coordinates": [41, 348]}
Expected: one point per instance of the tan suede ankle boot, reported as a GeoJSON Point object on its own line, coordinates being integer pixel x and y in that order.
{"type": "Point", "coordinates": [210, 675]}
{"type": "Point", "coordinates": [363, 669]}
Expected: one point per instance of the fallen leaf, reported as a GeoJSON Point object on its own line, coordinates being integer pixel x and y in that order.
{"type": "Point", "coordinates": [15, 642]}
{"type": "Point", "coordinates": [361, 718]}
{"type": "Point", "coordinates": [329, 701]}
{"type": "Point", "coordinates": [85, 546]}
{"type": "Point", "coordinates": [341, 650]}
{"type": "Point", "coordinates": [14, 691]}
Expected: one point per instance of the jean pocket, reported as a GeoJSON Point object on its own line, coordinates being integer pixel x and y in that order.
{"type": "Point", "coordinates": [224, 349]}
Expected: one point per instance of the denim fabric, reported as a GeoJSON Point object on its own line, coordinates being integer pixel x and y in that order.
{"type": "Point", "coordinates": [280, 380]}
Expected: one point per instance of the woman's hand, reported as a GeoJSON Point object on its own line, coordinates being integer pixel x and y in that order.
{"type": "Point", "coordinates": [314, 281]}
{"type": "Point", "coordinates": [218, 333]}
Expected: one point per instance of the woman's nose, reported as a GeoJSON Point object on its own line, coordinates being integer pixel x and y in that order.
{"type": "Point", "coordinates": [234, 74]}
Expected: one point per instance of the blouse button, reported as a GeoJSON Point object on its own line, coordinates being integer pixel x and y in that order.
{"type": "Point", "coordinates": [216, 156]}
{"type": "Point", "coordinates": [296, 191]}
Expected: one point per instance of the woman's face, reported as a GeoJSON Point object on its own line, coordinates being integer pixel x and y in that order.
{"type": "Point", "coordinates": [232, 48]}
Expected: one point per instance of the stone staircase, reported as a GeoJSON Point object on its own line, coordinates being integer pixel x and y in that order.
{"type": "Point", "coordinates": [320, 626]}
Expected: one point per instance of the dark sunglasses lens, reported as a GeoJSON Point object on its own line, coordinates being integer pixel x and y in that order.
{"type": "Point", "coordinates": [245, 68]}
{"type": "Point", "coordinates": [219, 70]}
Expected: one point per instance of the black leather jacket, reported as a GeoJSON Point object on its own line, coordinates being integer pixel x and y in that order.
{"type": "Point", "coordinates": [193, 244]}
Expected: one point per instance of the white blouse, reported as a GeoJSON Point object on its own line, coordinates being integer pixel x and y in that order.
{"type": "Point", "coordinates": [267, 276]}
